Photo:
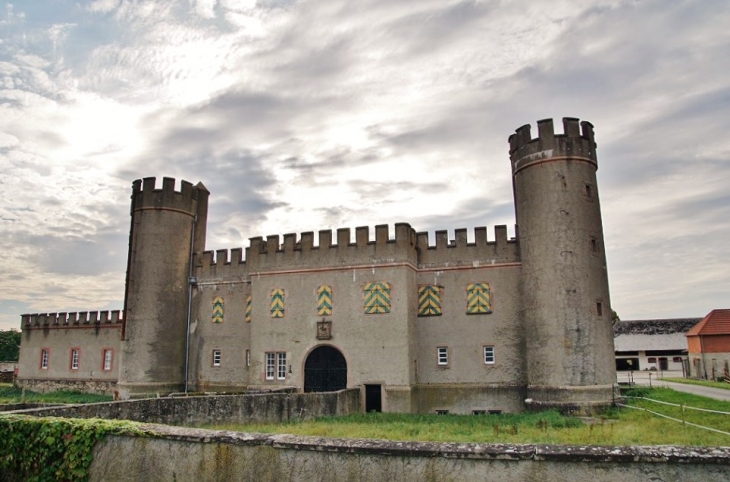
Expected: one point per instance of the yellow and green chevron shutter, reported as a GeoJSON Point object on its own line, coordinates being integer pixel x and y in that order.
{"type": "Point", "coordinates": [248, 309]}
{"type": "Point", "coordinates": [377, 298]}
{"type": "Point", "coordinates": [478, 299]}
{"type": "Point", "coordinates": [217, 309]}
{"type": "Point", "coordinates": [277, 303]}
{"type": "Point", "coordinates": [429, 300]}
{"type": "Point", "coordinates": [324, 300]}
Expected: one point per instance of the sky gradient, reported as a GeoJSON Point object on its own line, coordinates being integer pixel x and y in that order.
{"type": "Point", "coordinates": [308, 115]}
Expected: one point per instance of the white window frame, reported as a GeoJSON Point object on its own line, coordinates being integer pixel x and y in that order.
{"type": "Point", "coordinates": [270, 365]}
{"type": "Point", "coordinates": [442, 356]}
{"type": "Point", "coordinates": [281, 365]}
{"type": "Point", "coordinates": [44, 359]}
{"type": "Point", "coordinates": [489, 357]}
{"type": "Point", "coordinates": [74, 358]}
{"type": "Point", "coordinates": [216, 358]}
{"type": "Point", "coordinates": [108, 357]}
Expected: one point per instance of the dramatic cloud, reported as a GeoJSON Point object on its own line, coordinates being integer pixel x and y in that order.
{"type": "Point", "coordinates": [308, 115]}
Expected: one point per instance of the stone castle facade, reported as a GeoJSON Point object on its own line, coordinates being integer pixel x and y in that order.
{"type": "Point", "coordinates": [463, 327]}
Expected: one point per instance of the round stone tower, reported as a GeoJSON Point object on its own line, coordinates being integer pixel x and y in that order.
{"type": "Point", "coordinates": [167, 227]}
{"type": "Point", "coordinates": [567, 310]}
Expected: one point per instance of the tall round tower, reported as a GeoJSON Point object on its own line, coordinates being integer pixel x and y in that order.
{"type": "Point", "coordinates": [567, 310]}
{"type": "Point", "coordinates": [167, 227]}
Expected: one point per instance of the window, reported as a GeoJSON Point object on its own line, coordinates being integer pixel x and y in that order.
{"type": "Point", "coordinates": [281, 366]}
{"type": "Point", "coordinates": [74, 359]}
{"type": "Point", "coordinates": [594, 245]}
{"type": "Point", "coordinates": [248, 358]}
{"type": "Point", "coordinates": [216, 358]}
{"type": "Point", "coordinates": [599, 309]}
{"type": "Point", "coordinates": [107, 357]}
{"type": "Point", "coordinates": [443, 355]}
{"type": "Point", "coordinates": [588, 191]}
{"type": "Point", "coordinates": [651, 360]}
{"type": "Point", "coordinates": [429, 300]}
{"type": "Point", "coordinates": [377, 298]}
{"type": "Point", "coordinates": [442, 412]}
{"type": "Point", "coordinates": [489, 355]}
{"type": "Point", "coordinates": [677, 359]}
{"type": "Point", "coordinates": [478, 299]}
{"type": "Point", "coordinates": [270, 365]}
{"type": "Point", "coordinates": [277, 303]}
{"type": "Point", "coordinates": [44, 359]}
{"type": "Point", "coordinates": [478, 412]}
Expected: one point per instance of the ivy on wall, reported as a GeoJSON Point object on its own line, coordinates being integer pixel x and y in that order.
{"type": "Point", "coordinates": [52, 449]}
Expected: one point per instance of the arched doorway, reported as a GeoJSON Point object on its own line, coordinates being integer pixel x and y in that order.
{"type": "Point", "coordinates": [325, 370]}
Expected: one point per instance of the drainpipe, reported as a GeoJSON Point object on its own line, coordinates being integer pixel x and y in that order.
{"type": "Point", "coordinates": [190, 304]}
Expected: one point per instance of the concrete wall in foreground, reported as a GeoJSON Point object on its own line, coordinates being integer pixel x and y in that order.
{"type": "Point", "coordinates": [202, 455]}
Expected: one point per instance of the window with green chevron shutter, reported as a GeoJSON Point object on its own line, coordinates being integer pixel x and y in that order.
{"type": "Point", "coordinates": [277, 303]}
{"type": "Point", "coordinates": [377, 298]}
{"type": "Point", "coordinates": [478, 299]}
{"type": "Point", "coordinates": [217, 310]}
{"type": "Point", "coordinates": [429, 300]}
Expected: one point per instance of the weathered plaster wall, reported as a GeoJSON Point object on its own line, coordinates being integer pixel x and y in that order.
{"type": "Point", "coordinates": [202, 455]}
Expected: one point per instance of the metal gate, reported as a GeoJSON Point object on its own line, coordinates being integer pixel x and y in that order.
{"type": "Point", "coordinates": [325, 370]}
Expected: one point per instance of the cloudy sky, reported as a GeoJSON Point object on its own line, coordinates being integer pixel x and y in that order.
{"type": "Point", "coordinates": [303, 115]}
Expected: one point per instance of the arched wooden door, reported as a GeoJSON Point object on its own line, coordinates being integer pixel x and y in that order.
{"type": "Point", "coordinates": [325, 370]}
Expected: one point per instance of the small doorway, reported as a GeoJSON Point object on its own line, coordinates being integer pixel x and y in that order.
{"type": "Point", "coordinates": [325, 370]}
{"type": "Point", "coordinates": [663, 364]}
{"type": "Point", "coordinates": [373, 398]}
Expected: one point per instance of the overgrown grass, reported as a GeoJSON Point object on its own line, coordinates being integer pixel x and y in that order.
{"type": "Point", "coordinates": [11, 394]}
{"type": "Point", "coordinates": [704, 383]}
{"type": "Point", "coordinates": [615, 427]}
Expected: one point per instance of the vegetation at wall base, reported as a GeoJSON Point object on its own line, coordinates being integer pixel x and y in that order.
{"type": "Point", "coordinates": [615, 427]}
{"type": "Point", "coordinates": [11, 394]}
{"type": "Point", "coordinates": [52, 449]}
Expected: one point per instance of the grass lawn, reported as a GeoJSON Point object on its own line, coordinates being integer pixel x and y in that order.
{"type": "Point", "coordinates": [617, 427]}
{"type": "Point", "coordinates": [704, 383]}
{"type": "Point", "coordinates": [11, 394]}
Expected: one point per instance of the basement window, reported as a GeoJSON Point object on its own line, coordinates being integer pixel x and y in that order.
{"type": "Point", "coordinates": [442, 412]}
{"type": "Point", "coordinates": [478, 412]}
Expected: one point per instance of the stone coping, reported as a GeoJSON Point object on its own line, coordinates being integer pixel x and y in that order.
{"type": "Point", "coordinates": [454, 450]}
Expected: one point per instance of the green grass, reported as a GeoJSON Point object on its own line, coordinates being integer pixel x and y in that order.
{"type": "Point", "coordinates": [615, 427]}
{"type": "Point", "coordinates": [704, 383]}
{"type": "Point", "coordinates": [11, 394]}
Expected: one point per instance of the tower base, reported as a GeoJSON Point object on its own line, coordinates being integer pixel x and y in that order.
{"type": "Point", "coordinates": [581, 400]}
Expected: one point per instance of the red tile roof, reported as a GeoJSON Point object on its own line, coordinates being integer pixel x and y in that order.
{"type": "Point", "coordinates": [717, 322]}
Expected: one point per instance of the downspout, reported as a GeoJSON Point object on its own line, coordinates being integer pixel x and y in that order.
{"type": "Point", "coordinates": [190, 303]}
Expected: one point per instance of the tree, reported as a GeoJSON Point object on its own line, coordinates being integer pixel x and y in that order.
{"type": "Point", "coordinates": [614, 317]}
{"type": "Point", "coordinates": [9, 345]}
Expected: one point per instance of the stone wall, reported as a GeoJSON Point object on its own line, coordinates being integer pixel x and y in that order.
{"type": "Point", "coordinates": [200, 455]}
{"type": "Point", "coordinates": [86, 386]}
{"type": "Point", "coordinates": [202, 410]}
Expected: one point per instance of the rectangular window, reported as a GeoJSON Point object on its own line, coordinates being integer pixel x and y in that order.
{"type": "Point", "coordinates": [270, 365]}
{"type": "Point", "coordinates": [248, 358]}
{"type": "Point", "coordinates": [74, 359]}
{"type": "Point", "coordinates": [478, 299]}
{"type": "Point", "coordinates": [599, 308]}
{"type": "Point", "coordinates": [377, 298]}
{"type": "Point", "coordinates": [443, 355]}
{"type": "Point", "coordinates": [108, 355]}
{"type": "Point", "coordinates": [44, 359]}
{"type": "Point", "coordinates": [677, 359]}
{"type": "Point", "coordinates": [594, 245]}
{"type": "Point", "coordinates": [442, 412]}
{"type": "Point", "coordinates": [651, 360]}
{"type": "Point", "coordinates": [216, 358]}
{"type": "Point", "coordinates": [488, 355]}
{"type": "Point", "coordinates": [429, 300]}
{"type": "Point", "coordinates": [281, 366]}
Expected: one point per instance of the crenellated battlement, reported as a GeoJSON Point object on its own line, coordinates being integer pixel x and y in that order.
{"type": "Point", "coordinates": [145, 195]}
{"type": "Point", "coordinates": [75, 319]}
{"type": "Point", "coordinates": [576, 142]}
{"type": "Point", "coordinates": [335, 249]}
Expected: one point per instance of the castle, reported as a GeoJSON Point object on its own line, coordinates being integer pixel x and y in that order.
{"type": "Point", "coordinates": [489, 326]}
